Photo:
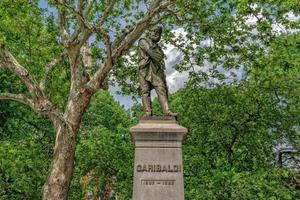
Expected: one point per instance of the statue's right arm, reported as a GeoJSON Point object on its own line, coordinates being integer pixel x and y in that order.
{"type": "Point", "coordinates": [145, 46]}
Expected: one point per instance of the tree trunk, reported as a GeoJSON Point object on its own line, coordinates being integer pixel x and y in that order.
{"type": "Point", "coordinates": [61, 171]}
{"type": "Point", "coordinates": [108, 190]}
{"type": "Point", "coordinates": [60, 175]}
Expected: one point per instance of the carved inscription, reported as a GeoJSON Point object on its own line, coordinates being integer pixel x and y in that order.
{"type": "Point", "coordinates": [158, 168]}
{"type": "Point", "coordinates": [158, 182]}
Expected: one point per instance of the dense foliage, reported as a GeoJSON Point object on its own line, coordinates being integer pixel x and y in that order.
{"type": "Point", "coordinates": [237, 126]}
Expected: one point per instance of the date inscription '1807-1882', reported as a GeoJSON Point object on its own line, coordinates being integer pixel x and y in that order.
{"type": "Point", "coordinates": [158, 168]}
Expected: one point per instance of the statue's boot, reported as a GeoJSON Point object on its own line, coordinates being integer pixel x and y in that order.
{"type": "Point", "coordinates": [163, 100]}
{"type": "Point", "coordinates": [146, 100]}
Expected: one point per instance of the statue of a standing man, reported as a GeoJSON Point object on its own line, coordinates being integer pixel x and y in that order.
{"type": "Point", "coordinates": [151, 72]}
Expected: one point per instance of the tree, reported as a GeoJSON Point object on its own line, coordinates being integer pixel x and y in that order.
{"type": "Point", "coordinates": [104, 153]}
{"type": "Point", "coordinates": [103, 157]}
{"type": "Point", "coordinates": [77, 23]}
{"type": "Point", "coordinates": [278, 72]}
{"type": "Point", "coordinates": [111, 29]}
{"type": "Point", "coordinates": [228, 153]}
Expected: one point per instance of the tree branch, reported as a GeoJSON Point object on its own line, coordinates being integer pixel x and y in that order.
{"type": "Point", "coordinates": [21, 98]}
{"type": "Point", "coordinates": [178, 19]}
{"type": "Point", "coordinates": [107, 42]}
{"type": "Point", "coordinates": [84, 25]}
{"type": "Point", "coordinates": [78, 14]}
{"type": "Point", "coordinates": [8, 61]}
{"type": "Point", "coordinates": [87, 59]}
{"type": "Point", "coordinates": [85, 29]}
{"type": "Point", "coordinates": [39, 102]}
{"type": "Point", "coordinates": [99, 30]}
{"type": "Point", "coordinates": [106, 12]}
{"type": "Point", "coordinates": [88, 7]}
{"type": "Point", "coordinates": [54, 114]}
{"type": "Point", "coordinates": [64, 33]}
{"type": "Point", "coordinates": [130, 28]}
{"type": "Point", "coordinates": [80, 6]}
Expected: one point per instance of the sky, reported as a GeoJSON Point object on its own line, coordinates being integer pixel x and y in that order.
{"type": "Point", "coordinates": [43, 4]}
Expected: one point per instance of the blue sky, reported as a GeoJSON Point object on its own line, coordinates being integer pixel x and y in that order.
{"type": "Point", "coordinates": [43, 4]}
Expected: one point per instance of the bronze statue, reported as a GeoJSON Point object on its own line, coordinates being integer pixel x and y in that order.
{"type": "Point", "coordinates": [151, 72]}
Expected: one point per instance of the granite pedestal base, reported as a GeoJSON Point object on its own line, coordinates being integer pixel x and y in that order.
{"type": "Point", "coordinates": [158, 170]}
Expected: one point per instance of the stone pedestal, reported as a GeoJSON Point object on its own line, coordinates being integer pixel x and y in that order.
{"type": "Point", "coordinates": [158, 170]}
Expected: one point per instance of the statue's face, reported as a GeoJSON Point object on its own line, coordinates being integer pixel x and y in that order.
{"type": "Point", "coordinates": [155, 35]}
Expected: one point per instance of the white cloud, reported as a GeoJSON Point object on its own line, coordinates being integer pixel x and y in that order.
{"type": "Point", "coordinates": [175, 80]}
{"type": "Point", "coordinates": [278, 28]}
{"type": "Point", "coordinates": [292, 17]}
{"type": "Point", "coordinates": [208, 42]}
{"type": "Point", "coordinates": [251, 20]}
{"type": "Point", "coordinates": [173, 56]}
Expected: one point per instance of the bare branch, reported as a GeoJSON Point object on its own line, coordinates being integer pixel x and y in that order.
{"type": "Point", "coordinates": [88, 7]}
{"type": "Point", "coordinates": [99, 30]}
{"type": "Point", "coordinates": [21, 98]}
{"type": "Point", "coordinates": [83, 31]}
{"type": "Point", "coordinates": [106, 12]}
{"type": "Point", "coordinates": [178, 19]}
{"type": "Point", "coordinates": [64, 33]}
{"type": "Point", "coordinates": [78, 14]}
{"type": "Point", "coordinates": [106, 40]}
{"type": "Point", "coordinates": [80, 6]}
{"type": "Point", "coordinates": [87, 60]}
{"type": "Point", "coordinates": [84, 26]}
{"type": "Point", "coordinates": [84, 6]}
{"type": "Point", "coordinates": [93, 28]}
{"type": "Point", "coordinates": [54, 114]}
{"type": "Point", "coordinates": [86, 53]}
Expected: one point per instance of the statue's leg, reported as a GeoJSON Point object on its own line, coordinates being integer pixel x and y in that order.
{"type": "Point", "coordinates": [146, 98]}
{"type": "Point", "coordinates": [161, 92]}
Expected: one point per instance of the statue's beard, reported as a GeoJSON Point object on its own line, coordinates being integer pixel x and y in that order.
{"type": "Point", "coordinates": [155, 38]}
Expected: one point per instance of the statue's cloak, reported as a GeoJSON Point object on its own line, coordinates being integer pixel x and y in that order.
{"type": "Point", "coordinates": [151, 63]}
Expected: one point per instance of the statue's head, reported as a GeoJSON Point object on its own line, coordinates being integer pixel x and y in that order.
{"type": "Point", "coordinates": [155, 33]}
